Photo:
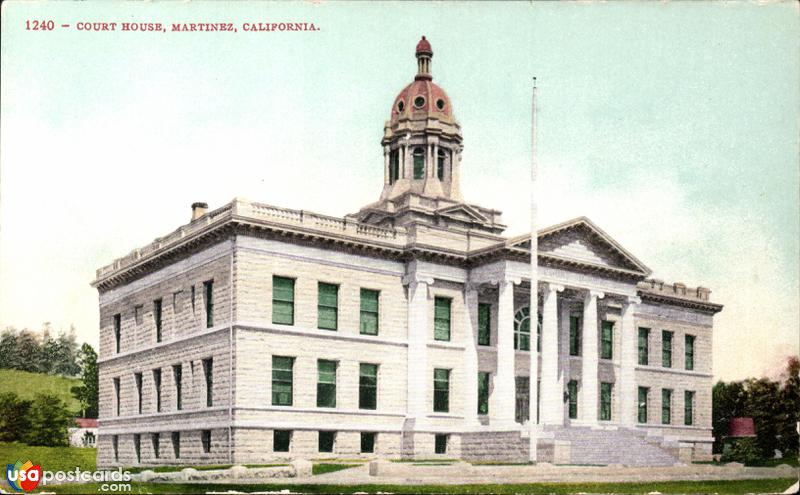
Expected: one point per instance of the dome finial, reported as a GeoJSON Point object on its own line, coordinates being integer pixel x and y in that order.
{"type": "Point", "coordinates": [424, 55]}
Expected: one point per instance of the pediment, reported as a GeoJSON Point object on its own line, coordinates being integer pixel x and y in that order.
{"type": "Point", "coordinates": [463, 212]}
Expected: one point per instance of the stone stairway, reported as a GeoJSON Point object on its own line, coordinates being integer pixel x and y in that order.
{"type": "Point", "coordinates": [499, 446]}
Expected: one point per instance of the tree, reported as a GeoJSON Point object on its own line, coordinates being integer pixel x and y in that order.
{"type": "Point", "coordinates": [789, 411]}
{"type": "Point", "coordinates": [9, 357]}
{"type": "Point", "coordinates": [764, 407]}
{"type": "Point", "coordinates": [65, 354]}
{"type": "Point", "coordinates": [14, 422]}
{"type": "Point", "coordinates": [729, 400]}
{"type": "Point", "coordinates": [49, 420]}
{"type": "Point", "coordinates": [28, 351]}
{"type": "Point", "coordinates": [87, 393]}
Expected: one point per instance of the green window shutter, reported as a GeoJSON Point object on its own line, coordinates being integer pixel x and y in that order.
{"type": "Point", "coordinates": [369, 312]}
{"type": "Point", "coordinates": [281, 440]}
{"type": "Point", "coordinates": [282, 380]}
{"type": "Point", "coordinates": [441, 390]}
{"type": "Point", "coordinates": [689, 352]}
{"type": "Point", "coordinates": [666, 406]}
{"type": "Point", "coordinates": [643, 404]}
{"type": "Point", "coordinates": [367, 386]}
{"type": "Point", "coordinates": [666, 349]}
{"type": "Point", "coordinates": [607, 340]}
{"type": "Point", "coordinates": [605, 401]}
{"type": "Point", "coordinates": [644, 346]}
{"type": "Point", "coordinates": [572, 394]}
{"type": "Point", "coordinates": [157, 318]}
{"type": "Point", "coordinates": [208, 370]}
{"type": "Point", "coordinates": [283, 300]}
{"type": "Point", "coordinates": [325, 441]}
{"type": "Point", "coordinates": [688, 407]}
{"type": "Point", "coordinates": [522, 330]}
{"type": "Point", "coordinates": [484, 323]}
{"type": "Point", "coordinates": [483, 392]}
{"type": "Point", "coordinates": [326, 383]}
{"type": "Point", "coordinates": [574, 336]}
{"type": "Point", "coordinates": [441, 318]}
{"type": "Point", "coordinates": [327, 306]}
{"type": "Point", "coordinates": [209, 292]}
{"type": "Point", "coordinates": [367, 442]}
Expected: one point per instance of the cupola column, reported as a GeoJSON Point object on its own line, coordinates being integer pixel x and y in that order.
{"type": "Point", "coordinates": [386, 152]}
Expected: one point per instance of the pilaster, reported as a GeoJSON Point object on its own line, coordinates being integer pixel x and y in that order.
{"type": "Point", "coordinates": [626, 384]}
{"type": "Point", "coordinates": [589, 390]}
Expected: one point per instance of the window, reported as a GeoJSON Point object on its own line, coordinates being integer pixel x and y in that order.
{"type": "Point", "coordinates": [644, 346]}
{"type": "Point", "coordinates": [208, 289]}
{"type": "Point", "coordinates": [666, 406]}
{"type": "Point", "coordinates": [194, 299]}
{"type": "Point", "coordinates": [539, 332]}
{"type": "Point", "coordinates": [116, 394]}
{"type": "Point", "coordinates": [689, 352]}
{"type": "Point", "coordinates": [441, 390]}
{"type": "Point", "coordinates": [483, 392]}
{"type": "Point", "coordinates": [156, 444]}
{"type": "Point", "coordinates": [419, 163]}
{"type": "Point", "coordinates": [522, 330]}
{"type": "Point", "coordinates": [574, 335]}
{"type": "Point", "coordinates": [440, 104]}
{"type": "Point", "coordinates": [368, 324]}
{"type": "Point", "coordinates": [419, 101]}
{"type": "Point", "coordinates": [208, 371]}
{"type": "Point", "coordinates": [282, 380]}
{"type": "Point", "coordinates": [572, 397]}
{"type": "Point", "coordinates": [115, 447]}
{"type": "Point", "coordinates": [326, 440]}
{"type": "Point", "coordinates": [607, 340]}
{"type": "Point", "coordinates": [327, 306]}
{"type": "Point", "coordinates": [367, 442]}
{"type": "Point", "coordinates": [484, 323]}
{"type": "Point", "coordinates": [688, 407]}
{"type": "Point", "coordinates": [137, 378]}
{"type": "Point", "coordinates": [283, 300]}
{"type": "Point", "coordinates": [666, 349]}
{"type": "Point", "coordinates": [177, 375]}
{"type": "Point", "coordinates": [440, 159]}
{"type": "Point", "coordinates": [281, 440]}
{"type": "Point", "coordinates": [176, 302]}
{"type": "Point", "coordinates": [137, 447]}
{"type": "Point", "coordinates": [157, 318]}
{"type": "Point", "coordinates": [117, 331]}
{"type": "Point", "coordinates": [205, 439]}
{"type": "Point", "coordinates": [605, 401]}
{"type": "Point", "coordinates": [440, 446]}
{"type": "Point", "coordinates": [367, 386]}
{"type": "Point", "coordinates": [138, 312]}
{"type": "Point", "coordinates": [643, 392]}
{"type": "Point", "coordinates": [326, 383]}
{"type": "Point", "coordinates": [522, 393]}
{"type": "Point", "coordinates": [394, 165]}
{"type": "Point", "coordinates": [441, 318]}
{"type": "Point", "coordinates": [157, 386]}
{"type": "Point", "coordinates": [176, 444]}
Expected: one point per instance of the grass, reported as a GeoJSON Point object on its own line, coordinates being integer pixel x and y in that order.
{"type": "Point", "coordinates": [725, 486]}
{"type": "Point", "coordinates": [322, 468]}
{"type": "Point", "coordinates": [26, 385]}
{"type": "Point", "coordinates": [50, 458]}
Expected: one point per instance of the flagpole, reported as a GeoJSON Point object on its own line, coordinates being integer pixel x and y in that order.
{"type": "Point", "coordinates": [534, 296]}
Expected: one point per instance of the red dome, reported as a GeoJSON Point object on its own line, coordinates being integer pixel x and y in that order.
{"type": "Point", "coordinates": [422, 96]}
{"type": "Point", "coordinates": [424, 47]}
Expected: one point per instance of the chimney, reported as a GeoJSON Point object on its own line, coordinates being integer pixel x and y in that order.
{"type": "Point", "coordinates": [198, 210]}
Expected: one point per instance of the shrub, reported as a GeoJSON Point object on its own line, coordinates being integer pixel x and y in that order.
{"type": "Point", "coordinates": [744, 450]}
{"type": "Point", "coordinates": [14, 421]}
{"type": "Point", "coordinates": [49, 420]}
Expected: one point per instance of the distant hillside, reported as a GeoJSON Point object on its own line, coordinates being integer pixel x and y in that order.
{"type": "Point", "coordinates": [27, 385]}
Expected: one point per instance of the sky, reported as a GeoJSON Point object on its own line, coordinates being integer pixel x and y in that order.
{"type": "Point", "coordinates": [673, 126]}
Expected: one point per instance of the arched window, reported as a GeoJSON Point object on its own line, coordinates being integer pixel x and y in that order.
{"type": "Point", "coordinates": [440, 161]}
{"type": "Point", "coordinates": [394, 166]}
{"type": "Point", "coordinates": [419, 163]}
{"type": "Point", "coordinates": [522, 330]}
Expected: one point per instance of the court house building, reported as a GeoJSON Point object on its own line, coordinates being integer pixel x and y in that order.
{"type": "Point", "coordinates": [256, 334]}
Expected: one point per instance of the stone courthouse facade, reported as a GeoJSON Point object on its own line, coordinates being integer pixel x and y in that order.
{"type": "Point", "coordinates": [256, 333]}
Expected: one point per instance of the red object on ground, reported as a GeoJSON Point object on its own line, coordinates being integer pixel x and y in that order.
{"type": "Point", "coordinates": [742, 427]}
{"type": "Point", "coordinates": [86, 422]}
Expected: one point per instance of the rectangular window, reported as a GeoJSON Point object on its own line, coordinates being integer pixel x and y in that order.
{"type": "Point", "coordinates": [368, 323]}
{"type": "Point", "coordinates": [176, 444]}
{"type": "Point", "coordinates": [282, 380]}
{"type": "Point", "coordinates": [137, 447]}
{"type": "Point", "coordinates": [326, 440]}
{"type": "Point", "coordinates": [367, 442]}
{"type": "Point", "coordinates": [283, 300]}
{"type": "Point", "coordinates": [666, 349]}
{"type": "Point", "coordinates": [440, 446]}
{"type": "Point", "coordinates": [607, 340]}
{"type": "Point", "coordinates": [138, 314]}
{"type": "Point", "coordinates": [117, 331]}
{"type": "Point", "coordinates": [205, 439]}
{"type": "Point", "coordinates": [689, 351]}
{"type": "Point", "coordinates": [208, 289]}
{"type": "Point", "coordinates": [327, 306]}
{"type": "Point", "coordinates": [115, 447]}
{"type": "Point", "coordinates": [156, 445]}
{"type": "Point", "coordinates": [605, 401]}
{"type": "Point", "coordinates": [208, 371]}
{"type": "Point", "coordinates": [394, 166]}
{"type": "Point", "coordinates": [194, 300]}
{"type": "Point", "coordinates": [688, 407]}
{"type": "Point", "coordinates": [157, 386]}
{"type": "Point", "coordinates": [441, 390]}
{"type": "Point", "coordinates": [281, 440]}
{"type": "Point", "coordinates": [116, 394]}
{"type": "Point", "coordinates": [177, 376]}
{"type": "Point", "coordinates": [137, 378]}
{"type": "Point", "coordinates": [157, 318]}
{"type": "Point", "coordinates": [574, 335]}
{"type": "Point", "coordinates": [539, 332]}
{"type": "Point", "coordinates": [644, 346]}
{"type": "Point", "coordinates": [367, 386]}
{"type": "Point", "coordinates": [441, 318]}
{"type": "Point", "coordinates": [666, 406]}
{"type": "Point", "coordinates": [176, 302]}
{"type": "Point", "coordinates": [419, 164]}
{"type": "Point", "coordinates": [326, 383]}
{"type": "Point", "coordinates": [483, 392]}
{"type": "Point", "coordinates": [572, 397]}
{"type": "Point", "coordinates": [484, 323]}
{"type": "Point", "coordinates": [643, 392]}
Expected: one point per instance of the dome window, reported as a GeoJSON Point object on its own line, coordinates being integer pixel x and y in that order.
{"type": "Point", "coordinates": [401, 106]}
{"type": "Point", "coordinates": [440, 163]}
{"type": "Point", "coordinates": [419, 101]}
{"type": "Point", "coordinates": [440, 104]}
{"type": "Point", "coordinates": [419, 163]}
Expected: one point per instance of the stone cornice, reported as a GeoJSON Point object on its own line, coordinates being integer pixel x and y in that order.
{"type": "Point", "coordinates": [704, 306]}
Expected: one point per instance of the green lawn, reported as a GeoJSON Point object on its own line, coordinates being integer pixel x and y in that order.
{"type": "Point", "coordinates": [50, 458]}
{"type": "Point", "coordinates": [323, 467]}
{"type": "Point", "coordinates": [26, 385]}
{"type": "Point", "coordinates": [732, 487]}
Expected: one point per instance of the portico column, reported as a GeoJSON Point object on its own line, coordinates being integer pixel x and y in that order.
{"type": "Point", "coordinates": [552, 407]}
{"type": "Point", "coordinates": [626, 385]}
{"type": "Point", "coordinates": [501, 410]}
{"type": "Point", "coordinates": [589, 387]}
{"type": "Point", "coordinates": [471, 354]}
{"type": "Point", "coordinates": [417, 369]}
